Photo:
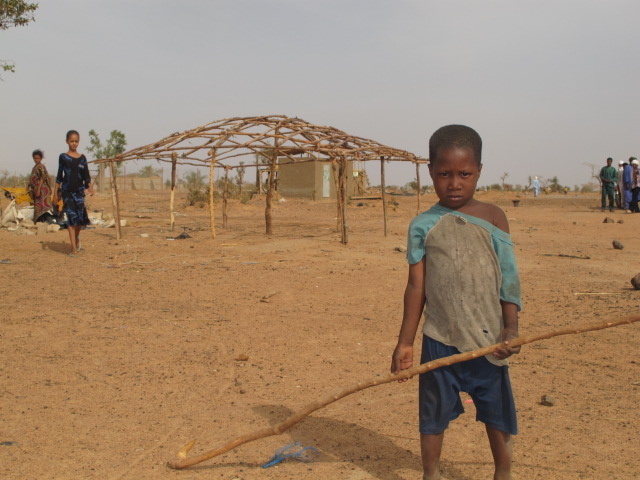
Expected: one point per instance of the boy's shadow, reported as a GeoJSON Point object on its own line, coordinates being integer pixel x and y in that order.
{"type": "Point", "coordinates": [58, 247]}
{"type": "Point", "coordinates": [347, 442]}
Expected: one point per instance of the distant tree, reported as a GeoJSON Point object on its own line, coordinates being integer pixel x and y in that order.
{"type": "Point", "coordinates": [196, 192]}
{"type": "Point", "coordinates": [149, 171]}
{"type": "Point", "coordinates": [240, 171]}
{"type": "Point", "coordinates": [15, 13]}
{"type": "Point", "coordinates": [114, 146]}
{"type": "Point", "coordinates": [595, 171]}
{"type": "Point", "coordinates": [503, 178]}
{"type": "Point", "coordinates": [554, 185]}
{"type": "Point", "coordinates": [13, 180]}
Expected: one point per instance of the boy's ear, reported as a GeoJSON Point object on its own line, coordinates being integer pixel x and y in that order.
{"type": "Point", "coordinates": [479, 169]}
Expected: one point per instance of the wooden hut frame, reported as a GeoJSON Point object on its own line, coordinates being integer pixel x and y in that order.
{"type": "Point", "coordinates": [278, 138]}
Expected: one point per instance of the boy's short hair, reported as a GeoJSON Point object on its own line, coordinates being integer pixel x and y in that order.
{"type": "Point", "coordinates": [458, 136]}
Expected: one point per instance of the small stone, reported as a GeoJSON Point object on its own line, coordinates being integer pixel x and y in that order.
{"type": "Point", "coordinates": [242, 358]}
{"type": "Point", "coordinates": [401, 249]}
{"type": "Point", "coordinates": [620, 221]}
{"type": "Point", "coordinates": [635, 281]}
{"type": "Point", "coordinates": [609, 220]}
{"type": "Point", "coordinates": [547, 400]}
{"type": "Point", "coordinates": [617, 245]}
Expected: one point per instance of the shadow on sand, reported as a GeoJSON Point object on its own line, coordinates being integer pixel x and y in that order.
{"type": "Point", "coordinates": [58, 247]}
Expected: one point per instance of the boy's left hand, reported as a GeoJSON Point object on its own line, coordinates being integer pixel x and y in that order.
{"type": "Point", "coordinates": [505, 350]}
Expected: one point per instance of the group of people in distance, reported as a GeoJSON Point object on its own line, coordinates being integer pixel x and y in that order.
{"type": "Point", "coordinates": [73, 181]}
{"type": "Point", "coordinates": [620, 186]}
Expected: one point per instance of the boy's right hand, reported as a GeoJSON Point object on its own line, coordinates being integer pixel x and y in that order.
{"type": "Point", "coordinates": [402, 359]}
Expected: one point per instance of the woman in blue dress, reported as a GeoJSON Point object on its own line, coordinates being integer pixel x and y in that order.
{"type": "Point", "coordinates": [72, 181]}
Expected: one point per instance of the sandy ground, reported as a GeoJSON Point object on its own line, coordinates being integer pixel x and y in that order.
{"type": "Point", "coordinates": [112, 361]}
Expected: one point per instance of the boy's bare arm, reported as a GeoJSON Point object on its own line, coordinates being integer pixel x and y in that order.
{"type": "Point", "coordinates": [510, 330]}
{"type": "Point", "coordinates": [414, 299]}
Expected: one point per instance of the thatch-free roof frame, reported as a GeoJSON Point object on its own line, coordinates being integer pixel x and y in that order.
{"type": "Point", "coordinates": [271, 138]}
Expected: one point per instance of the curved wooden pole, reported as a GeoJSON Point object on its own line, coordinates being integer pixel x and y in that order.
{"type": "Point", "coordinates": [418, 187]}
{"type": "Point", "coordinates": [342, 192]}
{"type": "Point", "coordinates": [225, 195]}
{"type": "Point", "coordinates": [172, 216]}
{"type": "Point", "coordinates": [212, 179]}
{"type": "Point", "coordinates": [183, 462]}
{"type": "Point", "coordinates": [384, 196]}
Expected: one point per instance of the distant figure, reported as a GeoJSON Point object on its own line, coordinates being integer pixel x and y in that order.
{"type": "Point", "coordinates": [620, 202]}
{"type": "Point", "coordinates": [609, 178]}
{"type": "Point", "coordinates": [72, 181]}
{"type": "Point", "coordinates": [635, 187]}
{"type": "Point", "coordinates": [536, 186]}
{"type": "Point", "coordinates": [462, 268]}
{"type": "Point", "coordinates": [627, 179]}
{"type": "Point", "coordinates": [40, 187]}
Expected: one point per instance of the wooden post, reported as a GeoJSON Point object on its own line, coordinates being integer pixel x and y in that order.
{"type": "Point", "coordinates": [336, 184]}
{"type": "Point", "coordinates": [212, 167]}
{"type": "Point", "coordinates": [418, 187]}
{"type": "Point", "coordinates": [174, 162]}
{"type": "Point", "coordinates": [114, 200]}
{"type": "Point", "coordinates": [225, 194]}
{"type": "Point", "coordinates": [343, 200]}
{"type": "Point", "coordinates": [272, 183]}
{"type": "Point", "coordinates": [384, 197]}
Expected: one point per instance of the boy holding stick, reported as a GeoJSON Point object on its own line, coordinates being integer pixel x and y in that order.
{"type": "Point", "coordinates": [463, 277]}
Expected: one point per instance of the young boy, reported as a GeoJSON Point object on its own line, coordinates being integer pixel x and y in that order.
{"type": "Point", "coordinates": [463, 277]}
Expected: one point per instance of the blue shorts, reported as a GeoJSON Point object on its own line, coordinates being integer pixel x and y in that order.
{"type": "Point", "coordinates": [486, 383]}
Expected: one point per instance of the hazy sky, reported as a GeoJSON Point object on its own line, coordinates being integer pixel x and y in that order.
{"type": "Point", "coordinates": [549, 85]}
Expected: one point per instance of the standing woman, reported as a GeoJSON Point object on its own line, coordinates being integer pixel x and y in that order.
{"type": "Point", "coordinates": [40, 187]}
{"type": "Point", "coordinates": [72, 181]}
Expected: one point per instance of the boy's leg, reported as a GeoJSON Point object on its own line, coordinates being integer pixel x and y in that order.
{"type": "Point", "coordinates": [431, 448]}
{"type": "Point", "coordinates": [502, 451]}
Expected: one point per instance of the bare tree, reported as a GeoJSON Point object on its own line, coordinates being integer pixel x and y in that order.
{"type": "Point", "coordinates": [240, 176]}
{"type": "Point", "coordinates": [595, 171]}
{"type": "Point", "coordinates": [503, 178]}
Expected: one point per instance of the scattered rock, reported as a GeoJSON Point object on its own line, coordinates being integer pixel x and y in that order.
{"type": "Point", "coordinates": [609, 220]}
{"type": "Point", "coordinates": [620, 221]}
{"type": "Point", "coordinates": [635, 281]}
{"type": "Point", "coordinates": [242, 358]}
{"type": "Point", "coordinates": [547, 400]}
{"type": "Point", "coordinates": [617, 245]}
{"type": "Point", "coordinates": [266, 298]}
{"type": "Point", "coordinates": [400, 249]}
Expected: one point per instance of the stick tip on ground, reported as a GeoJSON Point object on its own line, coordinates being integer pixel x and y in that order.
{"type": "Point", "coordinates": [185, 450]}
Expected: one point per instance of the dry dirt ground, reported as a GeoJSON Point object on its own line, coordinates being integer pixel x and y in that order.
{"type": "Point", "coordinates": [112, 361]}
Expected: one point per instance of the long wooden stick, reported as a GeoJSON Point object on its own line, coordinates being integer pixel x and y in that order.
{"type": "Point", "coordinates": [183, 462]}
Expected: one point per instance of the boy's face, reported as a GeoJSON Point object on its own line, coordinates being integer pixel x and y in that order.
{"type": "Point", "coordinates": [455, 174]}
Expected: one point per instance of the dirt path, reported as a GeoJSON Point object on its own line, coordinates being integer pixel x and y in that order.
{"type": "Point", "coordinates": [111, 361]}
